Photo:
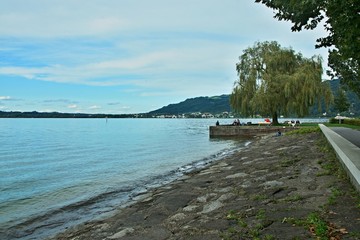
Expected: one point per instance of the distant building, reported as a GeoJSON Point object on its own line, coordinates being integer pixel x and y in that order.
{"type": "Point", "coordinates": [207, 115]}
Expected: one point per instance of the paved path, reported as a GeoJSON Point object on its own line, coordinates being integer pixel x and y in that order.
{"type": "Point", "coordinates": [351, 135]}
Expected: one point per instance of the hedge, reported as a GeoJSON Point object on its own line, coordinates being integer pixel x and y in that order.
{"type": "Point", "coordinates": [350, 121]}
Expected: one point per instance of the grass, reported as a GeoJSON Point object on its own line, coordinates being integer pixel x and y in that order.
{"type": "Point", "coordinates": [243, 230]}
{"type": "Point", "coordinates": [356, 195]}
{"type": "Point", "coordinates": [260, 215]}
{"type": "Point", "coordinates": [258, 197]}
{"type": "Point", "coordinates": [335, 193]}
{"type": "Point", "coordinates": [331, 166]}
{"type": "Point", "coordinates": [289, 162]}
{"type": "Point", "coordinates": [317, 225]}
{"type": "Point", "coordinates": [293, 198]}
{"type": "Point", "coordinates": [314, 222]}
{"type": "Point", "coordinates": [253, 225]}
{"type": "Point", "coordinates": [314, 127]}
{"type": "Point", "coordinates": [342, 125]}
{"type": "Point", "coordinates": [305, 130]}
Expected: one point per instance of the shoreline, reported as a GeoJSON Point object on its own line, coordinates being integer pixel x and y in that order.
{"type": "Point", "coordinates": [267, 183]}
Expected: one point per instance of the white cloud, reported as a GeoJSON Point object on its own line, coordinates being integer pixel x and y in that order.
{"type": "Point", "coordinates": [29, 73]}
{"type": "Point", "coordinates": [106, 24]}
{"type": "Point", "coordinates": [94, 107]}
{"type": "Point", "coordinates": [72, 106]}
{"type": "Point", "coordinates": [5, 98]}
{"type": "Point", "coordinates": [41, 18]}
{"type": "Point", "coordinates": [142, 70]}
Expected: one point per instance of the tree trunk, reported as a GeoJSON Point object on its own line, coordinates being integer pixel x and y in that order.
{"type": "Point", "coordinates": [275, 119]}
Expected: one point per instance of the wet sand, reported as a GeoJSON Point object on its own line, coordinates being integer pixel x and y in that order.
{"type": "Point", "coordinates": [272, 189]}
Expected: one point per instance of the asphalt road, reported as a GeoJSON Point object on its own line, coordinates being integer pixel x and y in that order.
{"type": "Point", "coordinates": [351, 135]}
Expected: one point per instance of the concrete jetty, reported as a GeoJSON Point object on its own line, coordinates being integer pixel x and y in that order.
{"type": "Point", "coordinates": [246, 131]}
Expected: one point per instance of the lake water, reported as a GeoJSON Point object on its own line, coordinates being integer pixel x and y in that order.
{"type": "Point", "coordinates": [55, 173]}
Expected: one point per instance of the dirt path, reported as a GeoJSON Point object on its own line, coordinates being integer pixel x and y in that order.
{"type": "Point", "coordinates": [287, 187]}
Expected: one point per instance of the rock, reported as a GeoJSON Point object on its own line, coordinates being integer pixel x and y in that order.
{"type": "Point", "coordinates": [212, 206]}
{"type": "Point", "coordinates": [237, 175]}
{"type": "Point", "coordinates": [122, 233]}
{"type": "Point", "coordinates": [271, 184]}
{"type": "Point", "coordinates": [190, 208]}
{"type": "Point", "coordinates": [177, 217]}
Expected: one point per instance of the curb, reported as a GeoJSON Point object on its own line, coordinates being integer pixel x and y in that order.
{"type": "Point", "coordinates": [347, 153]}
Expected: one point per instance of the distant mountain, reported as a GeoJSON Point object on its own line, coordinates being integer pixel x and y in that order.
{"type": "Point", "coordinates": [213, 105]}
{"type": "Point", "coordinates": [219, 104]}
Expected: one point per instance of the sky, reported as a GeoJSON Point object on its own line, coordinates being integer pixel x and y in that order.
{"type": "Point", "coordinates": [130, 56]}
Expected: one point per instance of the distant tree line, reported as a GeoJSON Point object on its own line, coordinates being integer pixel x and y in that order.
{"type": "Point", "coordinates": [35, 114]}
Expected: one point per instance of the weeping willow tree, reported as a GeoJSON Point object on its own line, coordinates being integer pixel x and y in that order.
{"type": "Point", "coordinates": [275, 81]}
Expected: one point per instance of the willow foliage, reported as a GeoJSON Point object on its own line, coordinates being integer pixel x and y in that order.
{"type": "Point", "coordinates": [341, 20]}
{"type": "Point", "coordinates": [275, 81]}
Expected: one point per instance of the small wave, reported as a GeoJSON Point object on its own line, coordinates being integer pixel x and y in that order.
{"type": "Point", "coordinates": [57, 220]}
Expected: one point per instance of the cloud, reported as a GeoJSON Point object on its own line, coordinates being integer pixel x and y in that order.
{"type": "Point", "coordinates": [125, 108]}
{"type": "Point", "coordinates": [60, 101]}
{"type": "Point", "coordinates": [72, 106]}
{"type": "Point", "coordinates": [106, 24]}
{"type": "Point", "coordinates": [10, 99]}
{"type": "Point", "coordinates": [144, 69]}
{"type": "Point", "coordinates": [3, 98]}
{"type": "Point", "coordinates": [94, 107]}
{"type": "Point", "coordinates": [27, 19]}
{"type": "Point", "coordinates": [113, 103]}
{"type": "Point", "coordinates": [139, 49]}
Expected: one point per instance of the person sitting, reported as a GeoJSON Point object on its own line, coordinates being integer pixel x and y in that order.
{"type": "Point", "coordinates": [236, 122]}
{"type": "Point", "coordinates": [292, 123]}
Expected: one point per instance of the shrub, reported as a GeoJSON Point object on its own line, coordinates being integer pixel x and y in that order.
{"type": "Point", "coordinates": [350, 121]}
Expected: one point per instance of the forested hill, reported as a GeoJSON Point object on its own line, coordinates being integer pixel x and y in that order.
{"type": "Point", "coordinates": [219, 104]}
{"type": "Point", "coordinates": [352, 98]}
{"type": "Point", "coordinates": [214, 105]}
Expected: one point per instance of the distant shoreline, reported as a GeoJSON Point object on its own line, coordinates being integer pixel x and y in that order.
{"type": "Point", "coordinates": [35, 114]}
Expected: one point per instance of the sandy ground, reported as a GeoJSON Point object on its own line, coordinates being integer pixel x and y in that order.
{"type": "Point", "coordinates": [288, 187]}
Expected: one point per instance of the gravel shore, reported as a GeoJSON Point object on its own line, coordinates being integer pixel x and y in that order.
{"type": "Point", "coordinates": [287, 187]}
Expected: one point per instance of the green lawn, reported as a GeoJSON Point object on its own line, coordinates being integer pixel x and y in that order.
{"type": "Point", "coordinates": [342, 125]}
{"type": "Point", "coordinates": [313, 127]}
